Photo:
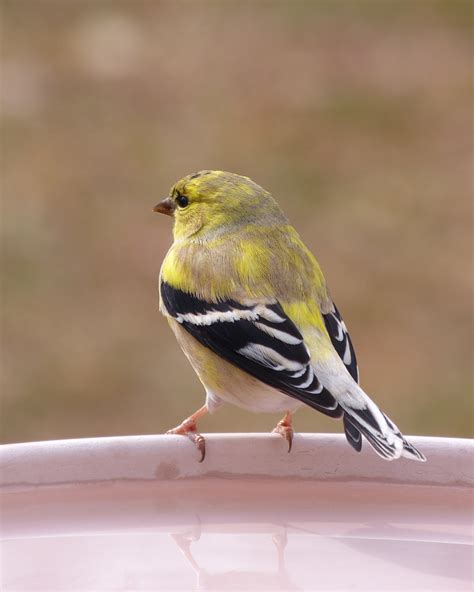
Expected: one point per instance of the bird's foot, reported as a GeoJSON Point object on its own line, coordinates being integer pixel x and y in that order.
{"type": "Point", "coordinates": [189, 428]}
{"type": "Point", "coordinates": [285, 429]}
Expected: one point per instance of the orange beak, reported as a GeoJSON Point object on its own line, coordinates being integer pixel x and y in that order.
{"type": "Point", "coordinates": [166, 206]}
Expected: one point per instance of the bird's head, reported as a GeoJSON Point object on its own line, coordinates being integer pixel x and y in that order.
{"type": "Point", "coordinates": [210, 203]}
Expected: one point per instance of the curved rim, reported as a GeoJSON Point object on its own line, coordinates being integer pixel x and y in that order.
{"type": "Point", "coordinates": [162, 458]}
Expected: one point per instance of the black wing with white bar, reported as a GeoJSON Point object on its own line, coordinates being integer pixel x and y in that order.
{"type": "Point", "coordinates": [342, 343]}
{"type": "Point", "coordinates": [257, 338]}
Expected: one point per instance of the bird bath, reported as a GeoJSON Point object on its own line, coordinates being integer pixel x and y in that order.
{"type": "Point", "coordinates": [140, 513]}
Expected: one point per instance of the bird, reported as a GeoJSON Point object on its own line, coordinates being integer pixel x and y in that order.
{"type": "Point", "coordinates": [250, 308]}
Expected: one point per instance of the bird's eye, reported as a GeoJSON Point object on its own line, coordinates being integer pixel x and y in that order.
{"type": "Point", "coordinates": [182, 201]}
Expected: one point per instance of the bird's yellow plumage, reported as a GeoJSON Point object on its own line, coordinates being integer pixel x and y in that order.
{"type": "Point", "coordinates": [250, 308]}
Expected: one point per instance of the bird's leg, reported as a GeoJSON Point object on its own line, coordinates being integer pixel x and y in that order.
{"type": "Point", "coordinates": [189, 428]}
{"type": "Point", "coordinates": [285, 429]}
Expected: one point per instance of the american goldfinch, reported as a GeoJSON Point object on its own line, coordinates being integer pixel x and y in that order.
{"type": "Point", "coordinates": [250, 308]}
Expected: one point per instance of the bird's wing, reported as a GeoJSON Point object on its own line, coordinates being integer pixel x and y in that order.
{"type": "Point", "coordinates": [342, 343]}
{"type": "Point", "coordinates": [257, 337]}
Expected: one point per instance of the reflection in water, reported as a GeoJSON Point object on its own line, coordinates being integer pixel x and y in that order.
{"type": "Point", "coordinates": [234, 579]}
{"type": "Point", "coordinates": [237, 535]}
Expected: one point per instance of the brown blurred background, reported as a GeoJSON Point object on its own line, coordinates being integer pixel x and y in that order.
{"type": "Point", "coordinates": [355, 115]}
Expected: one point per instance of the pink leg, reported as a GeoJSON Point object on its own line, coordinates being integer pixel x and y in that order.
{"type": "Point", "coordinates": [189, 428]}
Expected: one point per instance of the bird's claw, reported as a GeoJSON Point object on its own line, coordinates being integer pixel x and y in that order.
{"type": "Point", "coordinates": [200, 443]}
{"type": "Point", "coordinates": [286, 431]}
{"type": "Point", "coordinates": [188, 428]}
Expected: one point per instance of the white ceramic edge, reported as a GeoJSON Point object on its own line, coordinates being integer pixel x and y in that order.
{"type": "Point", "coordinates": [314, 456]}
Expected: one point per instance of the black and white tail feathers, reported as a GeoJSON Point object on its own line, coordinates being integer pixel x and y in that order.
{"type": "Point", "coordinates": [382, 434]}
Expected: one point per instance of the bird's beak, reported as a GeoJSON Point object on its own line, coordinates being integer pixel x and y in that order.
{"type": "Point", "coordinates": [166, 206]}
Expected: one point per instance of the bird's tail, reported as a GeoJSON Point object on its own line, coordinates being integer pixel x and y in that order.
{"type": "Point", "coordinates": [382, 434]}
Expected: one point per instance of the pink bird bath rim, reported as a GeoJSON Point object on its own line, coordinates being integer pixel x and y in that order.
{"type": "Point", "coordinates": [141, 513]}
{"type": "Point", "coordinates": [325, 457]}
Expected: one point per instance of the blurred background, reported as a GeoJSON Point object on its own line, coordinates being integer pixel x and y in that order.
{"type": "Point", "coordinates": [355, 115]}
